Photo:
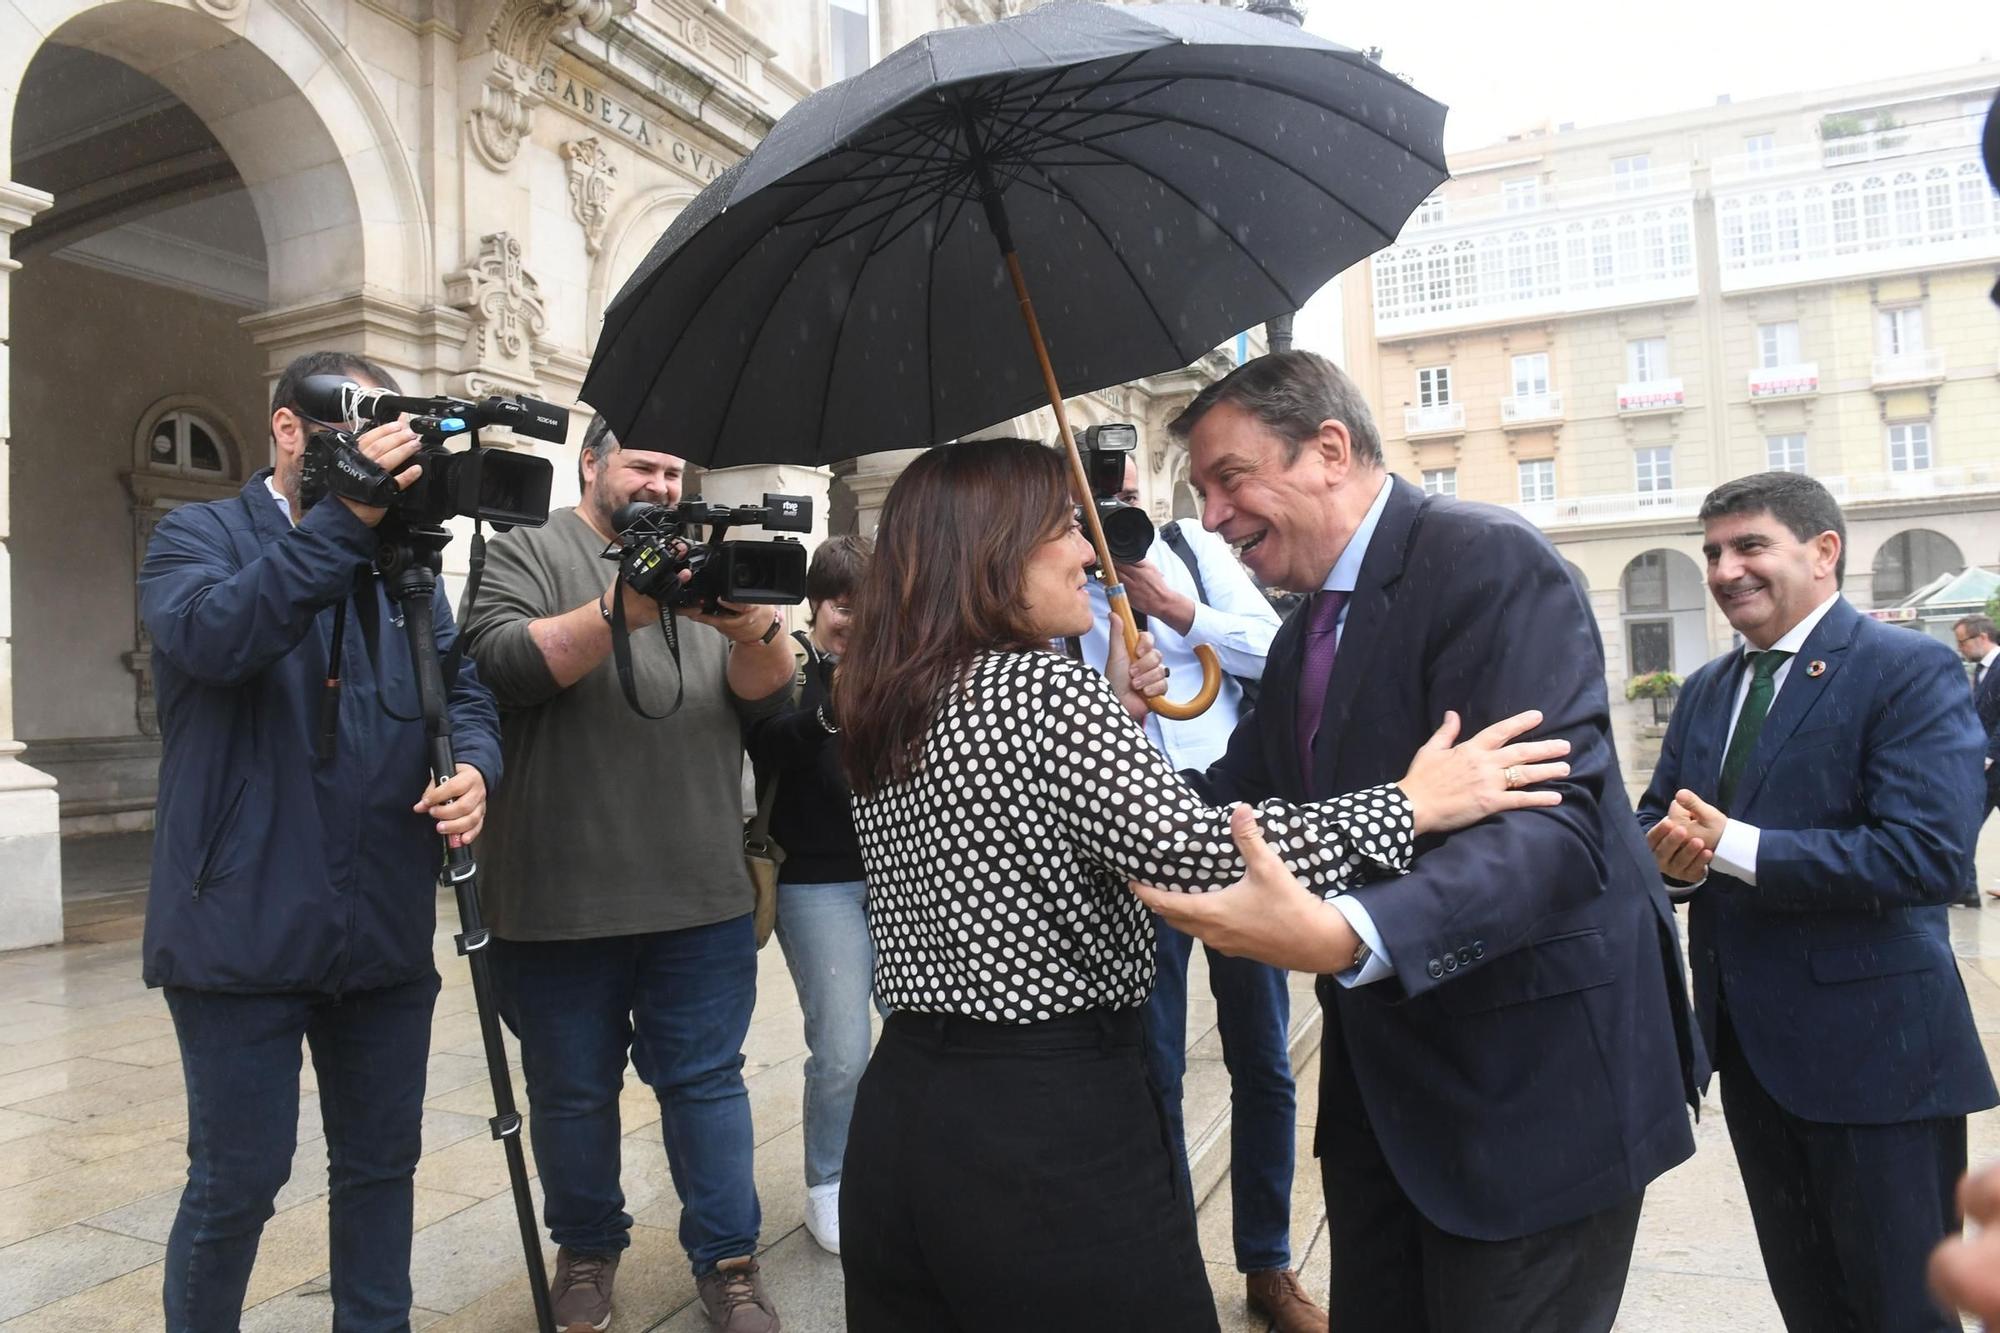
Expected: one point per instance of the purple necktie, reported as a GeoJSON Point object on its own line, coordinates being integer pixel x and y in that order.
{"type": "Point", "coordinates": [1316, 669]}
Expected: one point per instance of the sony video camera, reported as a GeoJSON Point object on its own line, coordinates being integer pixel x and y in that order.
{"type": "Point", "coordinates": [1128, 531]}
{"type": "Point", "coordinates": [656, 542]}
{"type": "Point", "coordinates": [497, 486]}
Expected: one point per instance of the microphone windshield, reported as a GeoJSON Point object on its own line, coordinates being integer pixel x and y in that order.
{"type": "Point", "coordinates": [327, 398]}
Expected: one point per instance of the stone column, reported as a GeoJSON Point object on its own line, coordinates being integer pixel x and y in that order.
{"type": "Point", "coordinates": [30, 843]}
{"type": "Point", "coordinates": [867, 481]}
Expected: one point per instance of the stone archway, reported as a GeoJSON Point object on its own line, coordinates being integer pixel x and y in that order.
{"type": "Point", "coordinates": [1662, 613]}
{"type": "Point", "coordinates": [1909, 560]}
{"type": "Point", "coordinates": [296, 131]}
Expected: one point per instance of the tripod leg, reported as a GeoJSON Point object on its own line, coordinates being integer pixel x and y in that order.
{"type": "Point", "coordinates": [413, 585]}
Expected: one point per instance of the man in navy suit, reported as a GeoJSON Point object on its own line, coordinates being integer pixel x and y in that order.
{"type": "Point", "coordinates": [1507, 1051]}
{"type": "Point", "coordinates": [1819, 790]}
{"type": "Point", "coordinates": [1979, 645]}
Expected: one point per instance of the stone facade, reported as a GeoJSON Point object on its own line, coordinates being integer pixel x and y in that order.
{"type": "Point", "coordinates": [1627, 315]}
{"type": "Point", "coordinates": [199, 190]}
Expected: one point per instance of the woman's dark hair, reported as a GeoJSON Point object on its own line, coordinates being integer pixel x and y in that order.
{"type": "Point", "coordinates": [837, 567]}
{"type": "Point", "coordinates": [946, 582]}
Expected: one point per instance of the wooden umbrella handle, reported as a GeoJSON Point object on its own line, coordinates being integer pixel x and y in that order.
{"type": "Point", "coordinates": [1211, 665]}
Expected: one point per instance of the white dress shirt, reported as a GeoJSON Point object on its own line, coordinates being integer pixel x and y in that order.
{"type": "Point", "coordinates": [1342, 577]}
{"type": "Point", "coordinates": [1981, 669]}
{"type": "Point", "coordinates": [1237, 622]}
{"type": "Point", "coordinates": [1736, 850]}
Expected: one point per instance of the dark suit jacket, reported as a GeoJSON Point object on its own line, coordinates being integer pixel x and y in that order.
{"type": "Point", "coordinates": [1529, 1062]}
{"type": "Point", "coordinates": [1986, 701]}
{"type": "Point", "coordinates": [1837, 967]}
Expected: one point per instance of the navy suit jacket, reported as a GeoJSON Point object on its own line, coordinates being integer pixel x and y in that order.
{"type": "Point", "coordinates": [1986, 701]}
{"type": "Point", "coordinates": [1836, 967]}
{"type": "Point", "coordinates": [1532, 1060]}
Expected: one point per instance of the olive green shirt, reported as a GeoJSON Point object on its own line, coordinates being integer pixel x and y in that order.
{"type": "Point", "coordinates": [607, 823]}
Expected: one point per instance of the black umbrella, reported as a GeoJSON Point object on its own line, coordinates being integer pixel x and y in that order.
{"type": "Point", "coordinates": [1170, 176]}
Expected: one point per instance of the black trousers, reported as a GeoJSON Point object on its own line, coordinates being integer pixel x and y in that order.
{"type": "Point", "coordinates": [1847, 1215]}
{"type": "Point", "coordinates": [1004, 1178]}
{"type": "Point", "coordinates": [1395, 1272]}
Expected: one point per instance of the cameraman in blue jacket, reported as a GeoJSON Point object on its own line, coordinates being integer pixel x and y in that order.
{"type": "Point", "coordinates": [294, 884]}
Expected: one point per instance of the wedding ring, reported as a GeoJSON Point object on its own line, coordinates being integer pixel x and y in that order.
{"type": "Point", "coordinates": [1511, 776]}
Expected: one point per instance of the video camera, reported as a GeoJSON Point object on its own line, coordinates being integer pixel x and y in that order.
{"type": "Point", "coordinates": [655, 544]}
{"type": "Point", "coordinates": [497, 486]}
{"type": "Point", "coordinates": [1128, 531]}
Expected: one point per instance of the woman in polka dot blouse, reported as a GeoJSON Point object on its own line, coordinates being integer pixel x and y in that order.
{"type": "Point", "coordinates": [1007, 1167]}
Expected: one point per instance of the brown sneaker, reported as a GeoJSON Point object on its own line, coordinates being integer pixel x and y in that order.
{"type": "Point", "coordinates": [581, 1292]}
{"type": "Point", "coordinates": [1278, 1297]}
{"type": "Point", "coordinates": [733, 1298]}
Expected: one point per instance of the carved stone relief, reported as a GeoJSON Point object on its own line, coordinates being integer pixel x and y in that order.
{"type": "Point", "coordinates": [592, 179]}
{"type": "Point", "coordinates": [508, 316]}
{"type": "Point", "coordinates": [520, 36]}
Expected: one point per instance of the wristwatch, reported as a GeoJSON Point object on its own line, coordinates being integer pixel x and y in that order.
{"type": "Point", "coordinates": [1362, 953]}
{"type": "Point", "coordinates": [777, 623]}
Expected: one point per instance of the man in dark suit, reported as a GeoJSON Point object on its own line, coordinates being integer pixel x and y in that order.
{"type": "Point", "coordinates": [1820, 788]}
{"type": "Point", "coordinates": [1507, 1048]}
{"type": "Point", "coordinates": [1979, 645]}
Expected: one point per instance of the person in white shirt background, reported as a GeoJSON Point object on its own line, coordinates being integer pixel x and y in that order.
{"type": "Point", "coordinates": [1196, 595]}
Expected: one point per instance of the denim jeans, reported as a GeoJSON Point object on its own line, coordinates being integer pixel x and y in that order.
{"type": "Point", "coordinates": [1253, 1010]}
{"type": "Point", "coordinates": [823, 929]}
{"type": "Point", "coordinates": [679, 1001]}
{"type": "Point", "coordinates": [240, 1058]}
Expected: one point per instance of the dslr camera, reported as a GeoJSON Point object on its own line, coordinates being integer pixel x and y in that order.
{"type": "Point", "coordinates": [657, 542]}
{"type": "Point", "coordinates": [1128, 531]}
{"type": "Point", "coordinates": [497, 486]}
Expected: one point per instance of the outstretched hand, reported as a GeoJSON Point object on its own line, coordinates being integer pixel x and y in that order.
{"type": "Point", "coordinates": [1267, 915]}
{"type": "Point", "coordinates": [1135, 680]}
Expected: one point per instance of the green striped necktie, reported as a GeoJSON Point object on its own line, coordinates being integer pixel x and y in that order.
{"type": "Point", "coordinates": [1756, 705]}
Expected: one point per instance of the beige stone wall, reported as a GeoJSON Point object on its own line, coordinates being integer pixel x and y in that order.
{"type": "Point", "coordinates": [101, 351]}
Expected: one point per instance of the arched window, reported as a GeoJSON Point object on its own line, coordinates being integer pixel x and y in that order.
{"type": "Point", "coordinates": [185, 444]}
{"type": "Point", "coordinates": [1909, 560]}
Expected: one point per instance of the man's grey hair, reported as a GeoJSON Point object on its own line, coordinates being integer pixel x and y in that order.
{"type": "Point", "coordinates": [1291, 393]}
{"type": "Point", "coordinates": [598, 442]}
{"type": "Point", "coordinates": [1977, 626]}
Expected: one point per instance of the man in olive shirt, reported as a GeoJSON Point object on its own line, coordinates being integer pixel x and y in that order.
{"type": "Point", "coordinates": [615, 885]}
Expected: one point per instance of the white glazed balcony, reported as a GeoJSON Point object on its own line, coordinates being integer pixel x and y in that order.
{"type": "Point", "coordinates": [1861, 488]}
{"type": "Point", "coordinates": [1667, 395]}
{"type": "Point", "coordinates": [1440, 419]}
{"type": "Point", "coordinates": [1876, 146]}
{"type": "Point", "coordinates": [1530, 409]}
{"type": "Point", "coordinates": [1785, 381]}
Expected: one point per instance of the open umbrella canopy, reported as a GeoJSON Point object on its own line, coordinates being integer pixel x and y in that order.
{"type": "Point", "coordinates": [1170, 176]}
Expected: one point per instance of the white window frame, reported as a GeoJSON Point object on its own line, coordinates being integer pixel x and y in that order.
{"type": "Point", "coordinates": [1785, 453]}
{"type": "Point", "coordinates": [1911, 447]}
{"type": "Point", "coordinates": [1434, 386]}
{"type": "Point", "coordinates": [1631, 173]}
{"type": "Point", "coordinates": [1778, 344]}
{"type": "Point", "coordinates": [1653, 473]}
{"type": "Point", "coordinates": [1900, 330]}
{"type": "Point", "coordinates": [1521, 194]}
{"type": "Point", "coordinates": [1432, 212]}
{"type": "Point", "coordinates": [1760, 151]}
{"type": "Point", "coordinates": [1536, 478]}
{"type": "Point", "coordinates": [1531, 380]}
{"type": "Point", "coordinates": [182, 464]}
{"type": "Point", "coordinates": [1646, 360]}
{"type": "Point", "coordinates": [1441, 481]}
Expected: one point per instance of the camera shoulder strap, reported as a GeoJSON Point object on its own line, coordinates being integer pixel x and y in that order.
{"type": "Point", "coordinates": [621, 654]}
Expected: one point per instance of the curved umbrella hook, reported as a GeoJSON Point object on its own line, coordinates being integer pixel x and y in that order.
{"type": "Point", "coordinates": [996, 217]}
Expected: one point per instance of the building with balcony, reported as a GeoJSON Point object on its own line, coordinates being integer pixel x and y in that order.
{"type": "Point", "coordinates": [1595, 327]}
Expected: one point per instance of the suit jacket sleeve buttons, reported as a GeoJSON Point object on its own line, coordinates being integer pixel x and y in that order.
{"type": "Point", "coordinates": [1478, 949]}
{"type": "Point", "coordinates": [1465, 955]}
{"type": "Point", "coordinates": [1435, 968]}
{"type": "Point", "coordinates": [1450, 963]}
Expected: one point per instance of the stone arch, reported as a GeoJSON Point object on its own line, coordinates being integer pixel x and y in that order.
{"type": "Point", "coordinates": [628, 238]}
{"type": "Point", "coordinates": [1910, 559]}
{"type": "Point", "coordinates": [1662, 613]}
{"type": "Point", "coordinates": [333, 187]}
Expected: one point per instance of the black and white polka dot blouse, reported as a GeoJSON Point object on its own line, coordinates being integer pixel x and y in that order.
{"type": "Point", "coordinates": [997, 872]}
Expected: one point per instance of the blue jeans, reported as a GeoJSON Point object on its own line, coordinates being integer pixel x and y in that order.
{"type": "Point", "coordinates": [240, 1058]}
{"type": "Point", "coordinates": [1253, 1010]}
{"type": "Point", "coordinates": [823, 929]}
{"type": "Point", "coordinates": [679, 1001]}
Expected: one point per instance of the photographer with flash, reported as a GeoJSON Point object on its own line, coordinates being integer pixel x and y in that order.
{"type": "Point", "coordinates": [293, 888]}
{"type": "Point", "coordinates": [615, 884]}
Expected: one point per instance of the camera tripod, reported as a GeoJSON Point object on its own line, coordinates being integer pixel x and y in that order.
{"type": "Point", "coordinates": [408, 561]}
